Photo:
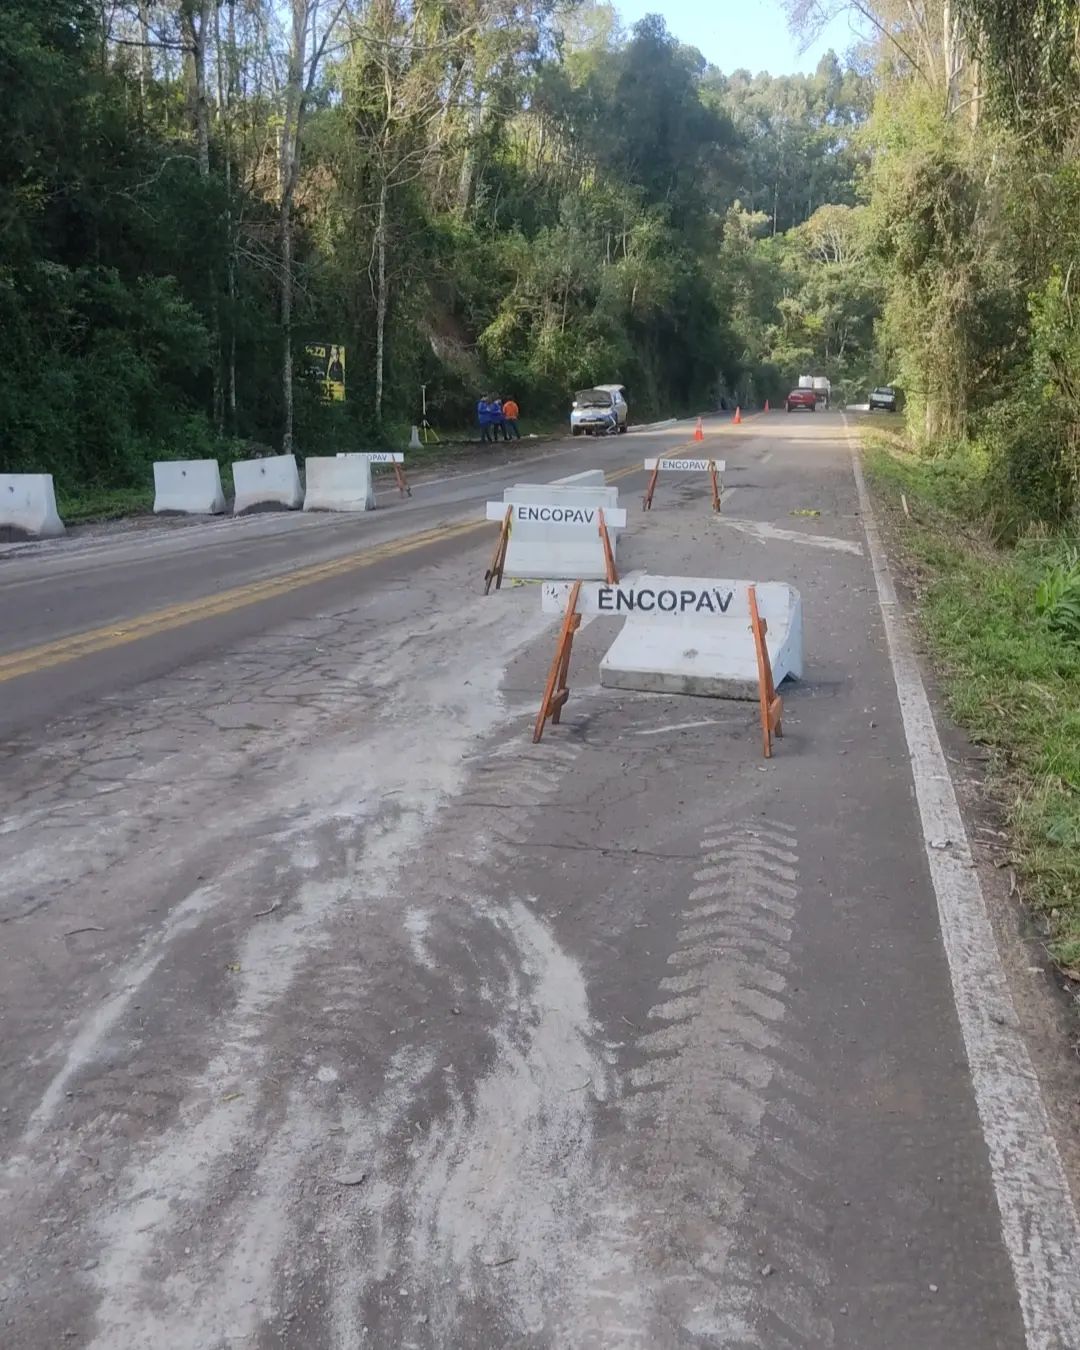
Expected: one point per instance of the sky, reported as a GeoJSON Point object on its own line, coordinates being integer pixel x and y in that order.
{"type": "Point", "coordinates": [740, 33]}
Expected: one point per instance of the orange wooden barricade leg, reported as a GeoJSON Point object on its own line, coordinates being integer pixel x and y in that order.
{"type": "Point", "coordinates": [715, 485]}
{"type": "Point", "coordinates": [556, 690]}
{"type": "Point", "coordinates": [609, 555]}
{"type": "Point", "coordinates": [772, 705]}
{"type": "Point", "coordinates": [402, 485]}
{"type": "Point", "coordinates": [498, 559]}
{"type": "Point", "coordinates": [646, 501]}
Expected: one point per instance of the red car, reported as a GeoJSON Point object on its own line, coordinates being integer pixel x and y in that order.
{"type": "Point", "coordinates": [801, 398]}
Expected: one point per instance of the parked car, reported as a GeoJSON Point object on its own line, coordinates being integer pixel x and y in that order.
{"type": "Point", "coordinates": [599, 411]}
{"type": "Point", "coordinates": [884, 398]}
{"type": "Point", "coordinates": [801, 398]}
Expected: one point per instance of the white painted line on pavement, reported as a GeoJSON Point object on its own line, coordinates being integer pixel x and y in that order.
{"type": "Point", "coordinates": [1038, 1217]}
{"type": "Point", "coordinates": [766, 457]}
{"type": "Point", "coordinates": [762, 530]}
{"type": "Point", "coordinates": [681, 726]}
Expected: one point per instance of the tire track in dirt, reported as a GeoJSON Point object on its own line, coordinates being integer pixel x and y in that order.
{"type": "Point", "coordinates": [724, 1127]}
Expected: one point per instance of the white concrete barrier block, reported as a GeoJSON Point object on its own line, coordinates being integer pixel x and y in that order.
{"type": "Point", "coordinates": [28, 506]}
{"type": "Point", "coordinates": [338, 483]}
{"type": "Point", "coordinates": [543, 547]}
{"type": "Point", "coordinates": [188, 487]}
{"type": "Point", "coordinates": [691, 635]}
{"type": "Point", "coordinates": [269, 482]}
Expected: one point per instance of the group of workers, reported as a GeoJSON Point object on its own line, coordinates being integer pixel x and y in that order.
{"type": "Point", "coordinates": [497, 416]}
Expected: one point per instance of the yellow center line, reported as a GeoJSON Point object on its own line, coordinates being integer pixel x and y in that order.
{"type": "Point", "coordinates": [33, 659]}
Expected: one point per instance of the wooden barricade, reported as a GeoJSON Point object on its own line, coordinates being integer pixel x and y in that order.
{"type": "Point", "coordinates": [605, 543]}
{"type": "Point", "coordinates": [772, 705]}
{"type": "Point", "coordinates": [557, 690]}
{"type": "Point", "coordinates": [498, 559]}
{"type": "Point", "coordinates": [712, 467]}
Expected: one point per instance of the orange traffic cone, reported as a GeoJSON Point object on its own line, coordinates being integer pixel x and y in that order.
{"type": "Point", "coordinates": [766, 405]}
{"type": "Point", "coordinates": [738, 415]}
{"type": "Point", "coordinates": [699, 433]}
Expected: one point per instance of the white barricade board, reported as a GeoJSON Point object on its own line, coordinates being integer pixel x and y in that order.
{"type": "Point", "coordinates": [557, 513]}
{"type": "Point", "coordinates": [690, 635]}
{"type": "Point", "coordinates": [28, 506]}
{"type": "Point", "coordinates": [555, 530]}
{"type": "Point", "coordinates": [686, 465]}
{"type": "Point", "coordinates": [338, 483]}
{"type": "Point", "coordinates": [269, 482]}
{"type": "Point", "coordinates": [188, 487]}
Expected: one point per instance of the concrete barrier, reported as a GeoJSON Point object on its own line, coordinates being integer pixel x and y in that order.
{"type": "Point", "coordinates": [543, 547]}
{"type": "Point", "coordinates": [691, 635]}
{"type": "Point", "coordinates": [188, 487]}
{"type": "Point", "coordinates": [28, 506]}
{"type": "Point", "coordinates": [266, 483]}
{"type": "Point", "coordinates": [338, 483]}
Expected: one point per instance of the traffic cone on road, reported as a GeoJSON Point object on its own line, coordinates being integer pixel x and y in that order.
{"type": "Point", "coordinates": [699, 431]}
{"type": "Point", "coordinates": [738, 415]}
{"type": "Point", "coordinates": [766, 405]}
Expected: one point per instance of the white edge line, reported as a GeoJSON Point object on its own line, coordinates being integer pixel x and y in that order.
{"type": "Point", "coordinates": [1038, 1216]}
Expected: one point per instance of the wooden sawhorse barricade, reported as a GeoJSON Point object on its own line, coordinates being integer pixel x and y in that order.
{"type": "Point", "coordinates": [713, 467]}
{"type": "Point", "coordinates": [557, 687]}
{"type": "Point", "coordinates": [397, 459]}
{"type": "Point", "coordinates": [495, 569]}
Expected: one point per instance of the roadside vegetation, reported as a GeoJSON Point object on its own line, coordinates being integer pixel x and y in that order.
{"type": "Point", "coordinates": [972, 211]}
{"type": "Point", "coordinates": [1003, 627]}
{"type": "Point", "coordinates": [512, 196]}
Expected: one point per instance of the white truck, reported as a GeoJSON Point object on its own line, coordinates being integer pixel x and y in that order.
{"type": "Point", "coordinates": [822, 388]}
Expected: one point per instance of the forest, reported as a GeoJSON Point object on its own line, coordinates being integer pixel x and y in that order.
{"type": "Point", "coordinates": [465, 195]}
{"type": "Point", "coordinates": [519, 195]}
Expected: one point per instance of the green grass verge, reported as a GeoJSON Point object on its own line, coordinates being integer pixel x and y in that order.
{"type": "Point", "coordinates": [1012, 682]}
{"type": "Point", "coordinates": [104, 504]}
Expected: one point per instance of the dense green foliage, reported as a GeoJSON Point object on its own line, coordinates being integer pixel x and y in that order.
{"type": "Point", "coordinates": [973, 222]}
{"type": "Point", "coordinates": [492, 195]}
{"type": "Point", "coordinates": [1013, 683]}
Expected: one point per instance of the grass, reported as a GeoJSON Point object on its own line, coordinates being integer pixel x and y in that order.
{"type": "Point", "coordinates": [1009, 678]}
{"type": "Point", "coordinates": [103, 503]}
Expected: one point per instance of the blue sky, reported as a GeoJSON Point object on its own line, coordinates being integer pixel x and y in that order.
{"type": "Point", "coordinates": [735, 33]}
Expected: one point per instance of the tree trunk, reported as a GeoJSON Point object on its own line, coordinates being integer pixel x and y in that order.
{"type": "Point", "coordinates": [195, 31]}
{"type": "Point", "coordinates": [146, 66]}
{"type": "Point", "coordinates": [468, 160]}
{"type": "Point", "coordinates": [380, 299]}
{"type": "Point", "coordinates": [289, 172]}
{"type": "Point", "coordinates": [285, 220]}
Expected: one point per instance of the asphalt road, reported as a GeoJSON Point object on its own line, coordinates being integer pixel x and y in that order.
{"type": "Point", "coordinates": [337, 1014]}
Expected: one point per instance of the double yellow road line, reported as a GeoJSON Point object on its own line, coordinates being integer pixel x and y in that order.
{"type": "Point", "coordinates": [32, 660]}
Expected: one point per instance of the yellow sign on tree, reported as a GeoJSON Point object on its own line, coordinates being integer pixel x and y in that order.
{"type": "Point", "coordinates": [327, 365]}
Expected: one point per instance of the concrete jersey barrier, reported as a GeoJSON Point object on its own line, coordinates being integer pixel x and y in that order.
{"type": "Point", "coordinates": [544, 549]}
{"type": "Point", "coordinates": [691, 635]}
{"type": "Point", "coordinates": [269, 482]}
{"type": "Point", "coordinates": [338, 483]}
{"type": "Point", "coordinates": [28, 506]}
{"type": "Point", "coordinates": [188, 487]}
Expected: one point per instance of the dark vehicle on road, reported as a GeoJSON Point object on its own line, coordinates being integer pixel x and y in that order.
{"type": "Point", "coordinates": [883, 398]}
{"type": "Point", "coordinates": [801, 398]}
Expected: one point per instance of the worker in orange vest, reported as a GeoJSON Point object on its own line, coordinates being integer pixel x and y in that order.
{"type": "Point", "coordinates": [511, 413]}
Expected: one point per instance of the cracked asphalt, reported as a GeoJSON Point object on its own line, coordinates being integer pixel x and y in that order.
{"type": "Point", "coordinates": [335, 1013]}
